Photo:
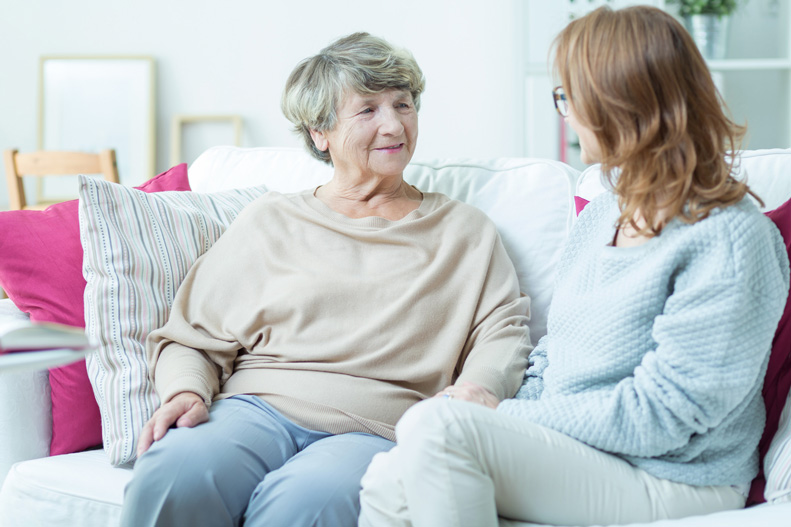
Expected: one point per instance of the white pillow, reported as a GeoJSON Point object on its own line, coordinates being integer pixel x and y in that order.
{"type": "Point", "coordinates": [529, 200]}
{"type": "Point", "coordinates": [137, 249]}
{"type": "Point", "coordinates": [591, 183]}
{"type": "Point", "coordinates": [766, 171]}
{"type": "Point", "coordinates": [282, 169]}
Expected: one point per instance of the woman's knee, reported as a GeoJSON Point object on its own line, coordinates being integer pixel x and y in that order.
{"type": "Point", "coordinates": [426, 417]}
{"type": "Point", "coordinates": [436, 422]}
{"type": "Point", "coordinates": [163, 471]}
{"type": "Point", "coordinates": [381, 477]}
{"type": "Point", "coordinates": [174, 476]}
{"type": "Point", "coordinates": [316, 499]}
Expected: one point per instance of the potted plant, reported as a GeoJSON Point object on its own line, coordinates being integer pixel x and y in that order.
{"type": "Point", "coordinates": [707, 22]}
{"type": "Point", "coordinates": [719, 8]}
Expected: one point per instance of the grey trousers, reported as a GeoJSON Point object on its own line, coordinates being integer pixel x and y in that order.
{"type": "Point", "coordinates": [249, 465]}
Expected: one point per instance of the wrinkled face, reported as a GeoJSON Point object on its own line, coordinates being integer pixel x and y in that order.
{"type": "Point", "coordinates": [590, 152]}
{"type": "Point", "coordinates": [375, 135]}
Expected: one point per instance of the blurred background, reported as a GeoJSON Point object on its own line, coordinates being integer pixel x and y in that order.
{"type": "Point", "coordinates": [218, 69]}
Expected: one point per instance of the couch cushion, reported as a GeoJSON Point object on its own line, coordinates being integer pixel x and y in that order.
{"type": "Point", "coordinates": [531, 203]}
{"type": "Point", "coordinates": [280, 169]}
{"type": "Point", "coordinates": [530, 200]}
{"type": "Point", "coordinates": [760, 516]}
{"type": "Point", "coordinates": [75, 489]}
{"type": "Point", "coordinates": [768, 172]}
{"type": "Point", "coordinates": [776, 442]}
{"type": "Point", "coordinates": [777, 463]}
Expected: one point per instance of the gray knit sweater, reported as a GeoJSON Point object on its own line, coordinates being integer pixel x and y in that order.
{"type": "Point", "coordinates": [657, 353]}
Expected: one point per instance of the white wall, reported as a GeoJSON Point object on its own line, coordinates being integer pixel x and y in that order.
{"type": "Point", "coordinates": [233, 57]}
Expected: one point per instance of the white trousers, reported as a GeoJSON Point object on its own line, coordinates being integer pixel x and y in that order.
{"type": "Point", "coordinates": [461, 464]}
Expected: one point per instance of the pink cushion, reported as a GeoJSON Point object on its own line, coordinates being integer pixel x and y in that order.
{"type": "Point", "coordinates": [579, 203]}
{"type": "Point", "coordinates": [778, 374]}
{"type": "Point", "coordinates": [41, 272]}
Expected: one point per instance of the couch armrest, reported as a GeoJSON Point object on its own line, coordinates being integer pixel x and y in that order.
{"type": "Point", "coordinates": [25, 417]}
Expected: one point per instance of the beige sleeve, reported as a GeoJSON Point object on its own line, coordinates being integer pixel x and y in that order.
{"type": "Point", "coordinates": [497, 348]}
{"type": "Point", "coordinates": [195, 350]}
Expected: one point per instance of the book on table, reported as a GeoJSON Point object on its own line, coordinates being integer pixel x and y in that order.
{"type": "Point", "coordinates": [24, 335]}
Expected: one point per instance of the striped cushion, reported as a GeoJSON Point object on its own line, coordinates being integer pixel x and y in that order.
{"type": "Point", "coordinates": [137, 249]}
{"type": "Point", "coordinates": [777, 463]}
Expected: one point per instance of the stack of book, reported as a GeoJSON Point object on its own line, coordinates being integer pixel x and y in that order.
{"type": "Point", "coordinates": [20, 335]}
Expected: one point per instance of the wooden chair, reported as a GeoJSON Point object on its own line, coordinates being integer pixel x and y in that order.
{"type": "Point", "coordinates": [51, 163]}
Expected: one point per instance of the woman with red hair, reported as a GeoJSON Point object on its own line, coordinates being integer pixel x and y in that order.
{"type": "Point", "coordinates": [643, 401]}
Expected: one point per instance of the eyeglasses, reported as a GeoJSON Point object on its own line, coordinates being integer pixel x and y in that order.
{"type": "Point", "coordinates": [561, 102]}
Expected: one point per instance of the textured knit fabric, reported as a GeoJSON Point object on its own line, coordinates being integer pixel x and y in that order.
{"type": "Point", "coordinates": [342, 324]}
{"type": "Point", "coordinates": [657, 353]}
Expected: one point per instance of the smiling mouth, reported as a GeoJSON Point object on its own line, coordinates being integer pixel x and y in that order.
{"type": "Point", "coordinates": [392, 147]}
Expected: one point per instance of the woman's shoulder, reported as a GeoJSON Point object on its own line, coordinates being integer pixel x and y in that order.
{"type": "Point", "coordinates": [598, 216]}
{"type": "Point", "coordinates": [744, 239]}
{"type": "Point", "coordinates": [461, 211]}
{"type": "Point", "coordinates": [274, 199]}
{"type": "Point", "coordinates": [270, 203]}
{"type": "Point", "coordinates": [741, 225]}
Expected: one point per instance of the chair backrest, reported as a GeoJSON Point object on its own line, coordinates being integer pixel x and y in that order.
{"type": "Point", "coordinates": [51, 163]}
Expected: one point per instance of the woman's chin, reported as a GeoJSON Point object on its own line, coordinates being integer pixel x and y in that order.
{"type": "Point", "coordinates": [393, 166]}
{"type": "Point", "coordinates": [587, 158]}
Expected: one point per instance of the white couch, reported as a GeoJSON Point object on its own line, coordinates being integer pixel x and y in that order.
{"type": "Point", "coordinates": [532, 202]}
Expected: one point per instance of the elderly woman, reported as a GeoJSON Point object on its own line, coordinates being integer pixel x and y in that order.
{"type": "Point", "coordinates": [297, 342]}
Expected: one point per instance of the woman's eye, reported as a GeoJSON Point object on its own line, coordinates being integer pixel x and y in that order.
{"type": "Point", "coordinates": [367, 110]}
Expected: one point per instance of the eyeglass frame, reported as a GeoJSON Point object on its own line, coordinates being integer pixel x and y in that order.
{"type": "Point", "coordinates": [559, 94]}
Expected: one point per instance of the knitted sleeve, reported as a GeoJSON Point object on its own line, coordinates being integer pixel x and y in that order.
{"type": "Point", "coordinates": [711, 346]}
{"type": "Point", "coordinates": [537, 362]}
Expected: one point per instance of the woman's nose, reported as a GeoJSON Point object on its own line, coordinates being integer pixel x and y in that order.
{"type": "Point", "coordinates": [391, 122]}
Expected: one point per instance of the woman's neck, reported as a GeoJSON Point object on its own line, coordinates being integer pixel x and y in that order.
{"type": "Point", "coordinates": [391, 199]}
{"type": "Point", "coordinates": [628, 236]}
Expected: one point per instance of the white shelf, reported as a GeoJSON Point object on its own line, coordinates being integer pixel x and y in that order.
{"type": "Point", "coordinates": [755, 81]}
{"type": "Point", "coordinates": [749, 64]}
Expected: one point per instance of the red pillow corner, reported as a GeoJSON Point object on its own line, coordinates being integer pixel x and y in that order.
{"type": "Point", "coordinates": [580, 203]}
{"type": "Point", "coordinates": [777, 382]}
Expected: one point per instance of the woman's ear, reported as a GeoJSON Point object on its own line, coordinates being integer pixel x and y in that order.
{"type": "Point", "coordinates": [320, 140]}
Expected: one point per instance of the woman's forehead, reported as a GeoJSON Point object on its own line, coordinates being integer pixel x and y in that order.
{"type": "Point", "coordinates": [356, 97]}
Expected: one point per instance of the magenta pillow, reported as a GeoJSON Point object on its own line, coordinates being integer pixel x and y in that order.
{"type": "Point", "coordinates": [778, 374]}
{"type": "Point", "coordinates": [41, 272]}
{"type": "Point", "coordinates": [580, 203]}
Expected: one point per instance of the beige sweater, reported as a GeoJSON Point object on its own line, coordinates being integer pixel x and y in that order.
{"type": "Point", "coordinates": [342, 324]}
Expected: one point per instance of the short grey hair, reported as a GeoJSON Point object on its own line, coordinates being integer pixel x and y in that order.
{"type": "Point", "coordinates": [359, 63]}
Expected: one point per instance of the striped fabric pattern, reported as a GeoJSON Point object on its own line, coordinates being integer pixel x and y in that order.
{"type": "Point", "coordinates": [137, 249]}
{"type": "Point", "coordinates": [777, 463]}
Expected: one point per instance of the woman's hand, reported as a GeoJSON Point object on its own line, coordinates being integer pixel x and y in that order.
{"type": "Point", "coordinates": [469, 391]}
{"type": "Point", "coordinates": [186, 409]}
